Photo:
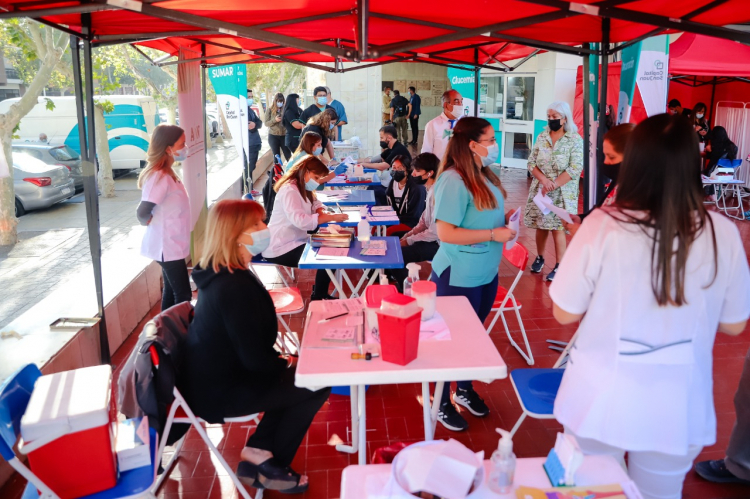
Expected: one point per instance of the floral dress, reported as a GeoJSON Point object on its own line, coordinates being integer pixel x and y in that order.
{"type": "Point", "coordinates": [565, 156]}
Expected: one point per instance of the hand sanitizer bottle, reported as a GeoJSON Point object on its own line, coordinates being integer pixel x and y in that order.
{"type": "Point", "coordinates": [503, 465]}
{"type": "Point", "coordinates": [363, 227]}
{"type": "Point", "coordinates": [412, 278]}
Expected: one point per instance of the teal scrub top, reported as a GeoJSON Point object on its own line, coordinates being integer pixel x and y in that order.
{"type": "Point", "coordinates": [471, 265]}
{"type": "Point", "coordinates": [294, 159]}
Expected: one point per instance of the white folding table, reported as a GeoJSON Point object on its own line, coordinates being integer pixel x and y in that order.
{"type": "Point", "coordinates": [468, 355]}
{"type": "Point", "coordinates": [728, 184]}
{"type": "Point", "coordinates": [367, 481]}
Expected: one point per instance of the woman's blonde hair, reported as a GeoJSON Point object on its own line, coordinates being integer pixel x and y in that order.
{"type": "Point", "coordinates": [157, 158]}
{"type": "Point", "coordinates": [324, 120]}
{"type": "Point", "coordinates": [460, 158]}
{"type": "Point", "coordinates": [297, 173]}
{"type": "Point", "coordinates": [227, 220]}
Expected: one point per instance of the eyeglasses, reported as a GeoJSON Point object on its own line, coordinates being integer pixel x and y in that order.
{"type": "Point", "coordinates": [493, 140]}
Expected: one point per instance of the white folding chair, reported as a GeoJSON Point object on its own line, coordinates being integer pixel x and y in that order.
{"type": "Point", "coordinates": [180, 412]}
{"type": "Point", "coordinates": [518, 256]}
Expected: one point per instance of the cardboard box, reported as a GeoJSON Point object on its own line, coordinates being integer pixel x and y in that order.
{"type": "Point", "coordinates": [132, 444]}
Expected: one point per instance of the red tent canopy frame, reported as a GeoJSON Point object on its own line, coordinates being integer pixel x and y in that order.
{"type": "Point", "coordinates": [482, 33]}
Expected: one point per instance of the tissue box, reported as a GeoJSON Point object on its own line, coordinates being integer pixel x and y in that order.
{"type": "Point", "coordinates": [132, 444]}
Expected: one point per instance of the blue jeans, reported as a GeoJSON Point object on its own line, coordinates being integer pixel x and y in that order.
{"type": "Point", "coordinates": [481, 299]}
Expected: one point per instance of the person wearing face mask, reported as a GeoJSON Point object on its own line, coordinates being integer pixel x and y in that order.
{"type": "Point", "coordinates": [276, 129]}
{"type": "Point", "coordinates": [675, 108]}
{"type": "Point", "coordinates": [421, 243]}
{"type": "Point", "coordinates": [231, 366]}
{"type": "Point", "coordinates": [471, 225]}
{"type": "Point", "coordinates": [323, 124]}
{"type": "Point", "coordinates": [320, 104]}
{"type": "Point", "coordinates": [165, 211]}
{"type": "Point", "coordinates": [702, 128]}
{"type": "Point", "coordinates": [438, 131]}
{"type": "Point", "coordinates": [399, 114]}
{"type": "Point", "coordinates": [386, 108]}
{"type": "Point", "coordinates": [615, 142]}
{"type": "Point", "coordinates": [254, 124]}
{"type": "Point", "coordinates": [556, 163]}
{"type": "Point", "coordinates": [391, 149]}
{"type": "Point", "coordinates": [405, 195]}
{"type": "Point", "coordinates": [292, 121]}
{"type": "Point", "coordinates": [296, 212]}
{"type": "Point", "coordinates": [340, 111]}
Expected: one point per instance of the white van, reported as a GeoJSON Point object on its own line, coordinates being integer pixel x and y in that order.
{"type": "Point", "coordinates": [129, 126]}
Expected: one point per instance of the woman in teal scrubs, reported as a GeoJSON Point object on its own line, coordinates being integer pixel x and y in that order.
{"type": "Point", "coordinates": [470, 217]}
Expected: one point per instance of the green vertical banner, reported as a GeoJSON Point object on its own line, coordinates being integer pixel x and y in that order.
{"type": "Point", "coordinates": [462, 80]}
{"type": "Point", "coordinates": [653, 73]}
{"type": "Point", "coordinates": [230, 85]}
{"type": "Point", "coordinates": [630, 57]}
{"type": "Point", "coordinates": [593, 82]}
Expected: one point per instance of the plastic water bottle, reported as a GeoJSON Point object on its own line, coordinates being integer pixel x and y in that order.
{"type": "Point", "coordinates": [412, 278]}
{"type": "Point", "coordinates": [502, 465]}
{"type": "Point", "coordinates": [363, 227]}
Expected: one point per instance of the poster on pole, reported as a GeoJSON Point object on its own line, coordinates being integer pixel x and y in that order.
{"type": "Point", "coordinates": [653, 74]}
{"type": "Point", "coordinates": [593, 83]}
{"type": "Point", "coordinates": [189, 101]}
{"type": "Point", "coordinates": [232, 100]}
{"type": "Point", "coordinates": [241, 71]}
{"type": "Point", "coordinates": [462, 80]}
{"type": "Point", "coordinates": [630, 58]}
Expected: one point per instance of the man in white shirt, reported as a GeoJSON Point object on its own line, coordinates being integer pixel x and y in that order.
{"type": "Point", "coordinates": [439, 130]}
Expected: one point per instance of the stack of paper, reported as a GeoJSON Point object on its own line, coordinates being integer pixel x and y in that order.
{"type": "Point", "coordinates": [373, 248]}
{"type": "Point", "coordinates": [514, 223]}
{"type": "Point", "coordinates": [329, 196]}
{"type": "Point", "coordinates": [342, 238]}
{"type": "Point", "coordinates": [382, 214]}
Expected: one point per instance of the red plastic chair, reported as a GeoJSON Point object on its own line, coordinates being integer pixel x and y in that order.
{"type": "Point", "coordinates": [287, 301]}
{"type": "Point", "coordinates": [397, 228]}
{"type": "Point", "coordinates": [518, 256]}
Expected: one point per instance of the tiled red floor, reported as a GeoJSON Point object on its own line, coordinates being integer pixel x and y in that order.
{"type": "Point", "coordinates": [394, 412]}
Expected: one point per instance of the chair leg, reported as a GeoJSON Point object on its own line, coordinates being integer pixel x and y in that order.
{"type": "Point", "coordinates": [163, 444]}
{"type": "Point", "coordinates": [494, 319]}
{"type": "Point", "coordinates": [170, 465]}
{"type": "Point", "coordinates": [530, 359]}
{"type": "Point", "coordinates": [288, 336]}
{"type": "Point", "coordinates": [518, 424]}
{"type": "Point", "coordinates": [527, 356]}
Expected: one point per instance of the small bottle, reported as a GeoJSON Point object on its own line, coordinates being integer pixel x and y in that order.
{"type": "Point", "coordinates": [412, 278]}
{"type": "Point", "coordinates": [502, 465]}
{"type": "Point", "coordinates": [363, 227]}
{"type": "Point", "coordinates": [383, 279]}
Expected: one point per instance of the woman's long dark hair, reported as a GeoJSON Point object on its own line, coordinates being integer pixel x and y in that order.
{"type": "Point", "coordinates": [659, 176]}
{"type": "Point", "coordinates": [720, 140]}
{"type": "Point", "coordinates": [461, 158]}
{"type": "Point", "coordinates": [291, 104]}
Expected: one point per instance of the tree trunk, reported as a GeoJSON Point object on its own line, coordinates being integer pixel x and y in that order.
{"type": "Point", "coordinates": [106, 181]}
{"type": "Point", "coordinates": [171, 115]}
{"type": "Point", "coordinates": [8, 220]}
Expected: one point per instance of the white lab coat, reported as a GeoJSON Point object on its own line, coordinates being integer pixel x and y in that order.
{"type": "Point", "coordinates": [437, 132]}
{"type": "Point", "coordinates": [640, 375]}
{"type": "Point", "coordinates": [167, 237]}
{"type": "Point", "coordinates": [292, 217]}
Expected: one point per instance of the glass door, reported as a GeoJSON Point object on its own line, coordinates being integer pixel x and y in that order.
{"type": "Point", "coordinates": [508, 103]}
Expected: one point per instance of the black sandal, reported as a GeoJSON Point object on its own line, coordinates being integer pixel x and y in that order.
{"type": "Point", "coordinates": [248, 474]}
{"type": "Point", "coordinates": [273, 476]}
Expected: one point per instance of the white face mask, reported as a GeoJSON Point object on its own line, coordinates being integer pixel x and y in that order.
{"type": "Point", "coordinates": [180, 155]}
{"type": "Point", "coordinates": [699, 115]}
{"type": "Point", "coordinates": [279, 104]}
{"type": "Point", "coordinates": [458, 110]}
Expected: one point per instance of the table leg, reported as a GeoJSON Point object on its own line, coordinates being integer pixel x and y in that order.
{"type": "Point", "coordinates": [439, 387]}
{"type": "Point", "coordinates": [354, 403]}
{"type": "Point", "coordinates": [338, 286]}
{"type": "Point", "coordinates": [361, 392]}
{"type": "Point", "coordinates": [429, 411]}
{"type": "Point", "coordinates": [354, 289]}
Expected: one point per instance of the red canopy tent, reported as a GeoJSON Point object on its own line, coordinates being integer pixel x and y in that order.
{"type": "Point", "coordinates": [692, 60]}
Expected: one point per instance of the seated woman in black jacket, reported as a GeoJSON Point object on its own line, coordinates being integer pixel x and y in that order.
{"type": "Point", "coordinates": [405, 195]}
{"type": "Point", "coordinates": [719, 148]}
{"type": "Point", "coordinates": [230, 366]}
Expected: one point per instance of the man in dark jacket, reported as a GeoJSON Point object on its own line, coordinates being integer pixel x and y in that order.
{"type": "Point", "coordinates": [254, 123]}
{"type": "Point", "coordinates": [415, 109]}
{"type": "Point", "coordinates": [320, 104]}
{"type": "Point", "coordinates": [399, 114]}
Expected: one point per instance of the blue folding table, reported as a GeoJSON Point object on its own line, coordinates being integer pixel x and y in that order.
{"type": "Point", "coordinates": [393, 259]}
{"type": "Point", "coordinates": [354, 218]}
{"type": "Point", "coordinates": [355, 198]}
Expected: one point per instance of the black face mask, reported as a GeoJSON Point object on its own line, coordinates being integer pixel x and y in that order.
{"type": "Point", "coordinates": [383, 144]}
{"type": "Point", "coordinates": [554, 125]}
{"type": "Point", "coordinates": [420, 180]}
{"type": "Point", "coordinates": [398, 175]}
{"type": "Point", "coordinates": [611, 171]}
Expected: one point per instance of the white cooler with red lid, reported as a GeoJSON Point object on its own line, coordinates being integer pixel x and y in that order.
{"type": "Point", "coordinates": [67, 432]}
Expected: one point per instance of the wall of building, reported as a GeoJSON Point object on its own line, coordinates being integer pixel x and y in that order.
{"type": "Point", "coordinates": [555, 80]}
{"type": "Point", "coordinates": [430, 81]}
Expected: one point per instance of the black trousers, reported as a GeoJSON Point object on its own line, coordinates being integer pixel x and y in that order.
{"type": "Point", "coordinates": [252, 159]}
{"type": "Point", "coordinates": [288, 413]}
{"type": "Point", "coordinates": [291, 259]}
{"type": "Point", "coordinates": [269, 196]}
{"type": "Point", "coordinates": [414, 129]}
{"type": "Point", "coordinates": [418, 252]}
{"type": "Point", "coordinates": [278, 145]}
{"type": "Point", "coordinates": [292, 143]}
{"type": "Point", "coordinates": [176, 283]}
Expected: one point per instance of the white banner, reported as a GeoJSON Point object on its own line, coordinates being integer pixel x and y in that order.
{"type": "Point", "coordinates": [189, 101]}
{"type": "Point", "coordinates": [653, 71]}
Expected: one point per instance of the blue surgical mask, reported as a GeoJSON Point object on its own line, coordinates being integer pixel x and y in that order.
{"type": "Point", "coordinates": [330, 127]}
{"type": "Point", "coordinates": [317, 151]}
{"type": "Point", "coordinates": [261, 240]}
{"type": "Point", "coordinates": [311, 184]}
{"type": "Point", "coordinates": [180, 155]}
{"type": "Point", "coordinates": [250, 101]}
{"type": "Point", "coordinates": [280, 104]}
{"type": "Point", "coordinates": [322, 101]}
{"type": "Point", "coordinates": [493, 151]}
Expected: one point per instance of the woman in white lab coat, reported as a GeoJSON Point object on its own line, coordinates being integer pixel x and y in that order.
{"type": "Point", "coordinates": [651, 278]}
{"type": "Point", "coordinates": [296, 213]}
{"type": "Point", "coordinates": [165, 211]}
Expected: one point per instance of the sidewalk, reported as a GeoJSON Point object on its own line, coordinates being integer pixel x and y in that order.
{"type": "Point", "coordinates": [53, 244]}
